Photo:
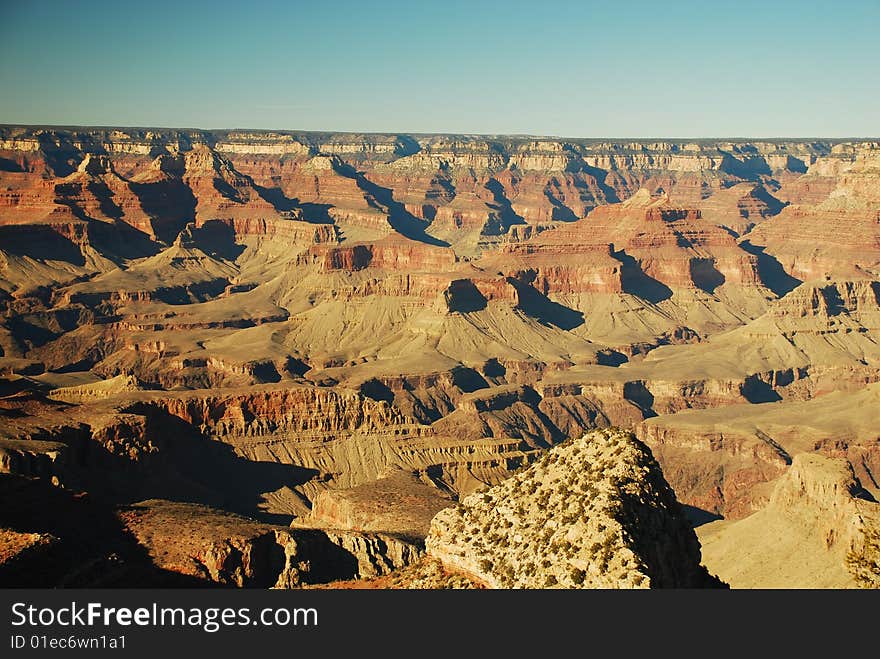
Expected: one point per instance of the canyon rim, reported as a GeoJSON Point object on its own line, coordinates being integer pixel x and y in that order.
{"type": "Point", "coordinates": [286, 359]}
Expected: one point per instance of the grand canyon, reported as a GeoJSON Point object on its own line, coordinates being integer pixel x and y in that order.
{"type": "Point", "coordinates": [332, 360]}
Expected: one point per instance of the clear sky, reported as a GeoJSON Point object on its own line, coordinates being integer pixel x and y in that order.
{"type": "Point", "coordinates": [578, 69]}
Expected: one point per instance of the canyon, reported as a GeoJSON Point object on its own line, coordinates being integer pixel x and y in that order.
{"type": "Point", "coordinates": [290, 359]}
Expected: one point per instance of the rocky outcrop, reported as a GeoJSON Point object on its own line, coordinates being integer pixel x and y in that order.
{"type": "Point", "coordinates": [392, 253]}
{"type": "Point", "coordinates": [16, 547]}
{"type": "Point", "coordinates": [504, 411]}
{"type": "Point", "coordinates": [398, 504]}
{"type": "Point", "coordinates": [95, 391]}
{"type": "Point", "coordinates": [220, 191]}
{"type": "Point", "coordinates": [288, 231]}
{"type": "Point", "coordinates": [593, 513]}
{"type": "Point", "coordinates": [216, 546]}
{"type": "Point", "coordinates": [234, 551]}
{"type": "Point", "coordinates": [818, 530]}
{"type": "Point", "coordinates": [34, 458]}
{"type": "Point", "coordinates": [376, 554]}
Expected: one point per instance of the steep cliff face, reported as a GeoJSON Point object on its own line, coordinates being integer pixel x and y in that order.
{"type": "Point", "coordinates": [220, 191]}
{"type": "Point", "coordinates": [594, 513]}
{"type": "Point", "coordinates": [127, 444]}
{"type": "Point", "coordinates": [474, 184]}
{"type": "Point", "coordinates": [838, 235]}
{"type": "Point", "coordinates": [278, 411]}
{"type": "Point", "coordinates": [36, 458]}
{"type": "Point", "coordinates": [670, 244]}
{"type": "Point", "coordinates": [741, 207]}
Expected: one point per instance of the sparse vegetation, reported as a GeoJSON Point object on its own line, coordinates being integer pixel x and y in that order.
{"type": "Point", "coordinates": [569, 510]}
{"type": "Point", "coordinates": [864, 564]}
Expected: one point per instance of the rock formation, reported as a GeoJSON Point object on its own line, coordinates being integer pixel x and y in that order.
{"type": "Point", "coordinates": [819, 530]}
{"type": "Point", "coordinates": [592, 513]}
{"type": "Point", "coordinates": [230, 550]}
{"type": "Point", "coordinates": [307, 315]}
{"type": "Point", "coordinates": [397, 504]}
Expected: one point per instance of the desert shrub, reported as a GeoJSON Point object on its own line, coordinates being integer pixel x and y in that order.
{"type": "Point", "coordinates": [486, 565]}
{"type": "Point", "coordinates": [550, 580]}
{"type": "Point", "coordinates": [619, 482]}
{"type": "Point", "coordinates": [577, 576]}
{"type": "Point", "coordinates": [864, 564]}
{"type": "Point", "coordinates": [608, 542]}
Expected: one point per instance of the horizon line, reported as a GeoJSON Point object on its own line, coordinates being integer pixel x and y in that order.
{"type": "Point", "coordinates": [440, 133]}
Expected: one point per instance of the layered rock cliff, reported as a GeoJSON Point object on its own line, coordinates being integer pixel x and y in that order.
{"type": "Point", "coordinates": [302, 314]}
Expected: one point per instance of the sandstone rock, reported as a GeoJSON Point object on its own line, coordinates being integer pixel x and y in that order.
{"type": "Point", "coordinates": [723, 460]}
{"type": "Point", "coordinates": [815, 532]}
{"type": "Point", "coordinates": [102, 389]}
{"type": "Point", "coordinates": [15, 546]}
{"type": "Point", "coordinates": [397, 504]}
{"type": "Point", "coordinates": [216, 546]}
{"type": "Point", "coordinates": [376, 554]}
{"type": "Point", "coordinates": [234, 551]}
{"type": "Point", "coordinates": [595, 512]}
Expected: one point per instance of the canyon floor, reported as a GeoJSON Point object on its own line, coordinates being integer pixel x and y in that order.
{"type": "Point", "coordinates": [281, 359]}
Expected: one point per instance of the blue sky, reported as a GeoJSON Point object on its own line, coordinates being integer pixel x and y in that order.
{"type": "Point", "coordinates": [575, 69]}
